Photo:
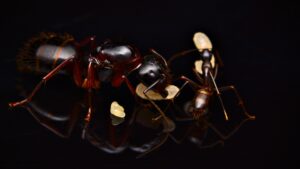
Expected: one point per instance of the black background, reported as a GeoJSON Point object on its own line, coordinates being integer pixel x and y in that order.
{"type": "Point", "coordinates": [254, 39]}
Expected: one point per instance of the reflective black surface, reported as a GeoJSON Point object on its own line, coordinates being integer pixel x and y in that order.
{"type": "Point", "coordinates": [252, 37]}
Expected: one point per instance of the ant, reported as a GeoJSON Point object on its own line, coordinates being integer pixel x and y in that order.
{"type": "Point", "coordinates": [146, 113]}
{"type": "Point", "coordinates": [154, 85]}
{"type": "Point", "coordinates": [89, 64]}
{"type": "Point", "coordinates": [205, 70]}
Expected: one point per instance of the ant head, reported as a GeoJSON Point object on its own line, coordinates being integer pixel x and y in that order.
{"type": "Point", "coordinates": [153, 71]}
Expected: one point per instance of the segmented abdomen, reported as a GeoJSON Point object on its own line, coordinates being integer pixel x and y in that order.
{"type": "Point", "coordinates": [45, 51]}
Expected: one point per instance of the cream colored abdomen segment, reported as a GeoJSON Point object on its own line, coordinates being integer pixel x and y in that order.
{"type": "Point", "coordinates": [201, 41]}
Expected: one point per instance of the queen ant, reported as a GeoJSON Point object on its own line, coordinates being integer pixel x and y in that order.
{"type": "Point", "coordinates": [90, 65]}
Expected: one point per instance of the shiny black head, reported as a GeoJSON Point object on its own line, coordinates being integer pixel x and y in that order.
{"type": "Point", "coordinates": [154, 71]}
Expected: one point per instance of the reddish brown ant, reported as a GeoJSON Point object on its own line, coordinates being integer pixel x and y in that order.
{"type": "Point", "coordinates": [90, 65]}
{"type": "Point", "coordinates": [205, 70]}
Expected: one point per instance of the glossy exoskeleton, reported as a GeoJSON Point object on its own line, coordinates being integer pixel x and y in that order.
{"type": "Point", "coordinates": [205, 71]}
{"type": "Point", "coordinates": [89, 64]}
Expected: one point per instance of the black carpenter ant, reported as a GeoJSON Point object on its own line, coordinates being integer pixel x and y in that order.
{"type": "Point", "coordinates": [205, 70]}
{"type": "Point", "coordinates": [90, 65]}
{"type": "Point", "coordinates": [153, 85]}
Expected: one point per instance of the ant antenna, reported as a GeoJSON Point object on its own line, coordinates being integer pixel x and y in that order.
{"type": "Point", "coordinates": [218, 93]}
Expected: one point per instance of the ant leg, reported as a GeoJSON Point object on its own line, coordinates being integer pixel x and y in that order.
{"type": "Point", "coordinates": [225, 137]}
{"type": "Point", "coordinates": [169, 123]}
{"type": "Point", "coordinates": [180, 55]}
{"type": "Point", "coordinates": [44, 80]}
{"type": "Point", "coordinates": [152, 102]}
{"type": "Point", "coordinates": [241, 103]}
{"type": "Point", "coordinates": [219, 96]}
{"type": "Point", "coordinates": [191, 82]}
{"type": "Point", "coordinates": [129, 85]}
{"type": "Point", "coordinates": [198, 76]}
{"type": "Point", "coordinates": [219, 58]}
{"type": "Point", "coordinates": [160, 56]}
{"type": "Point", "coordinates": [87, 118]}
{"type": "Point", "coordinates": [216, 71]}
{"type": "Point", "coordinates": [90, 84]}
{"type": "Point", "coordinates": [77, 74]}
{"type": "Point", "coordinates": [156, 143]}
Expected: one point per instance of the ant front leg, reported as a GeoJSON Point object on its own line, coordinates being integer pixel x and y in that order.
{"type": "Point", "coordinates": [181, 54]}
{"type": "Point", "coordinates": [129, 85]}
{"type": "Point", "coordinates": [44, 80]}
{"type": "Point", "coordinates": [90, 84]}
{"type": "Point", "coordinates": [241, 103]}
{"type": "Point", "coordinates": [191, 82]}
{"type": "Point", "coordinates": [169, 124]}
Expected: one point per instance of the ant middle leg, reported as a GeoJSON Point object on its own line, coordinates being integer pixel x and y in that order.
{"type": "Point", "coordinates": [90, 84]}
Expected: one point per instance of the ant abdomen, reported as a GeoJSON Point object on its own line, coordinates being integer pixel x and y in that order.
{"type": "Point", "coordinates": [43, 52]}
